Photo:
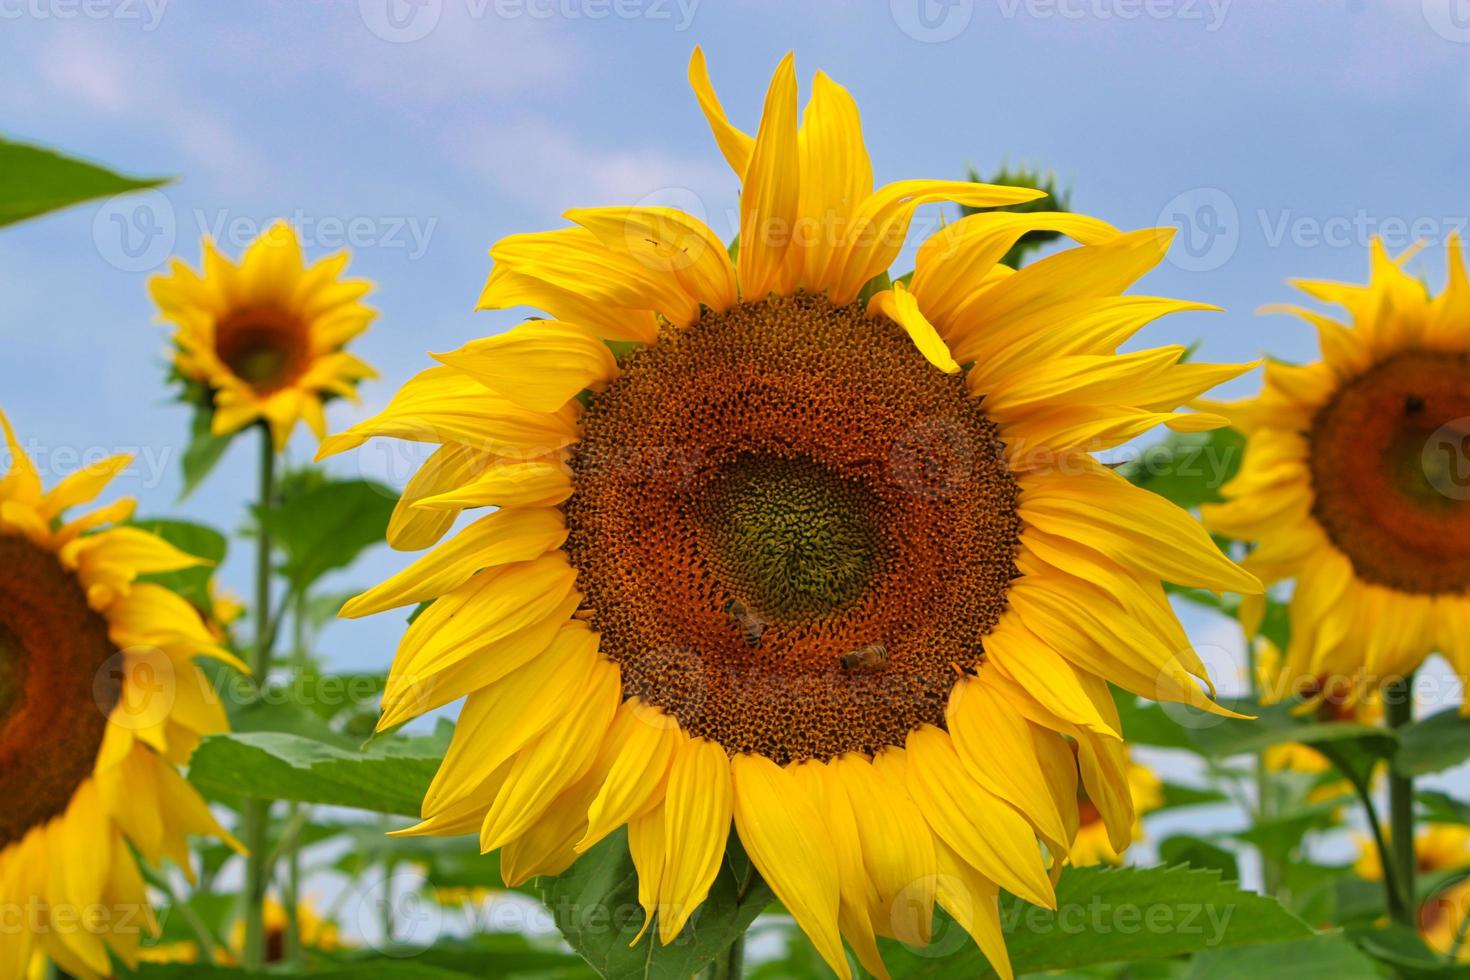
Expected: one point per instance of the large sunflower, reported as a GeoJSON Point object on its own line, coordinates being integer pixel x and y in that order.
{"type": "Point", "coordinates": [264, 339]}
{"type": "Point", "coordinates": [99, 700]}
{"type": "Point", "coordinates": [1353, 484]}
{"type": "Point", "coordinates": [840, 572]}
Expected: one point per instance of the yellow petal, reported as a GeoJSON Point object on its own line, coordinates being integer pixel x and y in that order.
{"type": "Point", "coordinates": [667, 241]}
{"type": "Point", "coordinates": [735, 145]}
{"type": "Point", "coordinates": [899, 305]}
{"type": "Point", "coordinates": [697, 811]}
{"type": "Point", "coordinates": [541, 365]}
{"type": "Point", "coordinates": [637, 774]}
{"type": "Point", "coordinates": [504, 537]}
{"type": "Point", "coordinates": [785, 836]}
{"type": "Point", "coordinates": [769, 194]}
{"type": "Point", "coordinates": [982, 828]}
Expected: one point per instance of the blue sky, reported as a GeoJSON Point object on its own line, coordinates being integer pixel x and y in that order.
{"type": "Point", "coordinates": [1279, 136]}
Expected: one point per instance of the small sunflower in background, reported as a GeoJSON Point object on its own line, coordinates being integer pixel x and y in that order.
{"type": "Point", "coordinates": [1437, 847]}
{"type": "Point", "coordinates": [316, 932]}
{"type": "Point", "coordinates": [1356, 483]}
{"type": "Point", "coordinates": [1296, 756]}
{"type": "Point", "coordinates": [784, 543]}
{"type": "Point", "coordinates": [264, 340]}
{"type": "Point", "coordinates": [100, 700]}
{"type": "Point", "coordinates": [1440, 849]}
{"type": "Point", "coordinates": [1095, 843]}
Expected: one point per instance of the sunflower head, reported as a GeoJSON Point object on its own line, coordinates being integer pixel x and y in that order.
{"type": "Point", "coordinates": [264, 340]}
{"type": "Point", "coordinates": [1356, 483]}
{"type": "Point", "coordinates": [99, 700]}
{"type": "Point", "coordinates": [782, 544]}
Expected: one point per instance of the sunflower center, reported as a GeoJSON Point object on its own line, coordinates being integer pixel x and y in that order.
{"type": "Point", "coordinates": [791, 530]}
{"type": "Point", "coordinates": [1391, 472]}
{"type": "Point", "coordinates": [264, 348]}
{"type": "Point", "coordinates": [55, 696]}
{"type": "Point", "coordinates": [794, 538]}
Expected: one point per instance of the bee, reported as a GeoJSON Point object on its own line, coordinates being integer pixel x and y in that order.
{"type": "Point", "coordinates": [747, 619]}
{"type": "Point", "coordinates": [865, 660]}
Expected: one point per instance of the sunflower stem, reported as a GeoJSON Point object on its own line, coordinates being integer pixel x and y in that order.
{"type": "Point", "coordinates": [1399, 712]}
{"type": "Point", "coordinates": [291, 888]}
{"type": "Point", "coordinates": [255, 820]}
{"type": "Point", "coordinates": [731, 963]}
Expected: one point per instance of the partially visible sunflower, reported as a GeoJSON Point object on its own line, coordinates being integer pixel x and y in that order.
{"type": "Point", "coordinates": [100, 699]}
{"type": "Point", "coordinates": [842, 573]}
{"type": "Point", "coordinates": [1444, 916]}
{"type": "Point", "coordinates": [1356, 484]}
{"type": "Point", "coordinates": [316, 932]}
{"type": "Point", "coordinates": [1295, 756]}
{"type": "Point", "coordinates": [265, 338]}
{"type": "Point", "coordinates": [1093, 844]}
{"type": "Point", "coordinates": [1437, 847]}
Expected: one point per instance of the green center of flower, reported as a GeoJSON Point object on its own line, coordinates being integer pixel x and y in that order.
{"type": "Point", "coordinates": [795, 537]}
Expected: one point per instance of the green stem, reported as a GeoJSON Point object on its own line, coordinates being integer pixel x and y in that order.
{"type": "Point", "coordinates": [291, 889]}
{"type": "Point", "coordinates": [731, 963]}
{"type": "Point", "coordinates": [1364, 789]}
{"type": "Point", "coordinates": [255, 820]}
{"type": "Point", "coordinates": [1399, 711]}
{"type": "Point", "coordinates": [1271, 871]}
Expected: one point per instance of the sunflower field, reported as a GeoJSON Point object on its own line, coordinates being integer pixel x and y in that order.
{"type": "Point", "coordinates": [874, 571]}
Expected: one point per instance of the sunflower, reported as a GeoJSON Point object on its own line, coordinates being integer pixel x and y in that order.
{"type": "Point", "coordinates": [99, 700]}
{"type": "Point", "coordinates": [265, 338]}
{"type": "Point", "coordinates": [839, 571]}
{"type": "Point", "coordinates": [1296, 756]}
{"type": "Point", "coordinates": [316, 932]}
{"type": "Point", "coordinates": [1353, 484]}
{"type": "Point", "coordinates": [1438, 847]}
{"type": "Point", "coordinates": [1093, 844]}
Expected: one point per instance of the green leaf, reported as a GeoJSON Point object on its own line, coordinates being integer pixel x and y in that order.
{"type": "Point", "coordinates": [1330, 957]}
{"type": "Point", "coordinates": [389, 775]}
{"type": "Point", "coordinates": [1176, 796]}
{"type": "Point", "coordinates": [1439, 742]}
{"type": "Point", "coordinates": [1188, 468]}
{"type": "Point", "coordinates": [35, 180]}
{"type": "Point", "coordinates": [1443, 808]}
{"type": "Point", "coordinates": [205, 449]}
{"type": "Point", "coordinates": [1401, 948]}
{"type": "Point", "coordinates": [1111, 915]}
{"type": "Point", "coordinates": [1199, 853]}
{"type": "Point", "coordinates": [326, 527]}
{"type": "Point", "coordinates": [596, 908]}
{"type": "Point", "coordinates": [380, 969]}
{"type": "Point", "coordinates": [198, 540]}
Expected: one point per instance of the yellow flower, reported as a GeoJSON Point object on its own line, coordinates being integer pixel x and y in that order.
{"type": "Point", "coordinates": [1354, 483]}
{"type": "Point", "coordinates": [1092, 844]}
{"type": "Point", "coordinates": [316, 932]}
{"type": "Point", "coordinates": [777, 563]}
{"type": "Point", "coordinates": [99, 700]}
{"type": "Point", "coordinates": [1443, 921]}
{"type": "Point", "coordinates": [266, 337]}
{"type": "Point", "coordinates": [1294, 756]}
{"type": "Point", "coordinates": [1438, 847]}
